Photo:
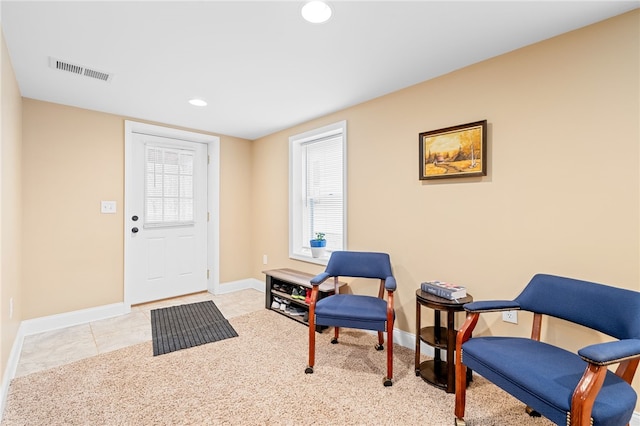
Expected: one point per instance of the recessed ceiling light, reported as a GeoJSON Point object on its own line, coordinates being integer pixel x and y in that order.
{"type": "Point", "coordinates": [197, 102]}
{"type": "Point", "coordinates": [316, 12]}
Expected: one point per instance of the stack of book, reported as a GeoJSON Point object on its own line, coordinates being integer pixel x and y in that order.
{"type": "Point", "coordinates": [444, 289]}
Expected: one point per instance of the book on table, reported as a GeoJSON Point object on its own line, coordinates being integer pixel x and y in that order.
{"type": "Point", "coordinates": [444, 289]}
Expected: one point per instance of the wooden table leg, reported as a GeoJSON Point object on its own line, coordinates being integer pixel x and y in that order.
{"type": "Point", "coordinates": [437, 335]}
{"type": "Point", "coordinates": [417, 362]}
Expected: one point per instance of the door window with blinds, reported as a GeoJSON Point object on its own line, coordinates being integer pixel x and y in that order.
{"type": "Point", "coordinates": [168, 190]}
{"type": "Point", "coordinates": [317, 190]}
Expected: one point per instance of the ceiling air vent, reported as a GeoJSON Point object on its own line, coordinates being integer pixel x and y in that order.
{"type": "Point", "coordinates": [79, 69]}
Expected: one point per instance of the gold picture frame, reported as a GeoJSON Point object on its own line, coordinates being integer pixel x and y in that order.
{"type": "Point", "coordinates": [452, 152]}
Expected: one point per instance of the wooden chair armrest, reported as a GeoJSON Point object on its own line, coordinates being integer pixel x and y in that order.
{"type": "Point", "coordinates": [464, 333]}
{"type": "Point", "coordinates": [585, 394]}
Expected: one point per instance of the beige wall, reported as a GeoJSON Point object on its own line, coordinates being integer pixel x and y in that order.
{"type": "Point", "coordinates": [73, 254]}
{"type": "Point", "coordinates": [235, 209]}
{"type": "Point", "coordinates": [10, 204]}
{"type": "Point", "coordinates": [561, 195]}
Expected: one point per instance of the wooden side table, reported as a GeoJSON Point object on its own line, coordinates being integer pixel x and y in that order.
{"type": "Point", "coordinates": [437, 371]}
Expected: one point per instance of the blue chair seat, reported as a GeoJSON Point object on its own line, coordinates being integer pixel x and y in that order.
{"type": "Point", "coordinates": [352, 311]}
{"type": "Point", "coordinates": [544, 376]}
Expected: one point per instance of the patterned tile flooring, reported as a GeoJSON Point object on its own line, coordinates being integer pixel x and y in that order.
{"type": "Point", "coordinates": [58, 347]}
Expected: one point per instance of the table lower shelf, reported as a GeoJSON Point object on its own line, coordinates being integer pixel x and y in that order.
{"type": "Point", "coordinates": [435, 371]}
{"type": "Point", "coordinates": [436, 337]}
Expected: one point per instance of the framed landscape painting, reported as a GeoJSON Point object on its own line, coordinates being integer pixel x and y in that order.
{"type": "Point", "coordinates": [458, 151]}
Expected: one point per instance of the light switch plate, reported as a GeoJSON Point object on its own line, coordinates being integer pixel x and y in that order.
{"type": "Point", "coordinates": [108, 207]}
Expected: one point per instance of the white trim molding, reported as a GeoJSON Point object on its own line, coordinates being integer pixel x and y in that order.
{"type": "Point", "coordinates": [234, 286]}
{"type": "Point", "coordinates": [68, 319]}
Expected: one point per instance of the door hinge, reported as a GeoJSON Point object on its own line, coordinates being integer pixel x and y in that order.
{"type": "Point", "coordinates": [208, 216]}
{"type": "Point", "coordinates": [207, 274]}
{"type": "Point", "coordinates": [208, 159]}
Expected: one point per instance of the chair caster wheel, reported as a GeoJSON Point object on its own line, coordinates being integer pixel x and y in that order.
{"type": "Point", "coordinates": [531, 412]}
{"type": "Point", "coordinates": [379, 347]}
{"type": "Point", "coordinates": [459, 422]}
{"type": "Point", "coordinates": [308, 370]}
{"type": "Point", "coordinates": [334, 341]}
{"type": "Point", "coordinates": [387, 382]}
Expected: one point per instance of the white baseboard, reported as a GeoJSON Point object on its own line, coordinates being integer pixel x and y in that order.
{"type": "Point", "coordinates": [408, 340]}
{"type": "Point", "coordinates": [10, 371]}
{"type": "Point", "coordinates": [234, 286]}
{"type": "Point", "coordinates": [69, 319]}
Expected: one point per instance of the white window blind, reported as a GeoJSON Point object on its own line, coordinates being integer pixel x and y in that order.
{"type": "Point", "coordinates": [317, 196]}
{"type": "Point", "coordinates": [323, 191]}
{"type": "Point", "coordinates": [168, 186]}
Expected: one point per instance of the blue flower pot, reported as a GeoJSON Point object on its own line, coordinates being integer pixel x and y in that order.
{"type": "Point", "coordinates": [317, 247]}
{"type": "Point", "coordinates": [318, 243]}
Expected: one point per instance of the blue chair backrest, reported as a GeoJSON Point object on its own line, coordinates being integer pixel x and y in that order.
{"type": "Point", "coordinates": [610, 310]}
{"type": "Point", "coordinates": [359, 264]}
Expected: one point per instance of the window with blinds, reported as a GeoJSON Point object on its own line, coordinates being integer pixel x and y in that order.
{"type": "Point", "coordinates": [322, 191]}
{"type": "Point", "coordinates": [168, 186]}
{"type": "Point", "coordinates": [317, 189]}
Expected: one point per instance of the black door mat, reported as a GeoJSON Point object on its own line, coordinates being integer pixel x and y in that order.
{"type": "Point", "coordinates": [186, 326]}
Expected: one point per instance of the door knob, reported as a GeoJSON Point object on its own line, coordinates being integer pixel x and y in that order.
{"type": "Point", "coordinates": [134, 230]}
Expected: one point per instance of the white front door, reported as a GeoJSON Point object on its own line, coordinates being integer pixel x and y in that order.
{"type": "Point", "coordinates": [167, 223]}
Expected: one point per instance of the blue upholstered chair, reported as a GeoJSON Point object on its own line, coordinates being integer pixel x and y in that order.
{"type": "Point", "coordinates": [568, 388]}
{"type": "Point", "coordinates": [354, 310]}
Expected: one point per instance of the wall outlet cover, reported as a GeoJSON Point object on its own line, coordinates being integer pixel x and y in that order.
{"type": "Point", "coordinates": [510, 316]}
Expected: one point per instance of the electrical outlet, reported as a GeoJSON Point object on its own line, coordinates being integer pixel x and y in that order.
{"type": "Point", "coordinates": [264, 259]}
{"type": "Point", "coordinates": [510, 316]}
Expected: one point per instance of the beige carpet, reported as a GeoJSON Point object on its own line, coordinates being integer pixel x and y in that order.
{"type": "Point", "coordinates": [255, 379]}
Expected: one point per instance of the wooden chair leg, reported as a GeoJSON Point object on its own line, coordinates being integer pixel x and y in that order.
{"type": "Point", "coordinates": [389, 326]}
{"type": "Point", "coordinates": [336, 335]}
{"type": "Point", "coordinates": [381, 338]}
{"type": "Point", "coordinates": [461, 370]}
{"type": "Point", "coordinates": [312, 331]}
{"type": "Point", "coordinates": [312, 344]}
{"type": "Point", "coordinates": [390, 353]}
{"type": "Point", "coordinates": [461, 390]}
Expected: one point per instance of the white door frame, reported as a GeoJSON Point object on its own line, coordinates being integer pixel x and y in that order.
{"type": "Point", "coordinates": [213, 196]}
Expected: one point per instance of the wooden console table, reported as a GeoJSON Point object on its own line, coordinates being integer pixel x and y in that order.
{"type": "Point", "coordinates": [438, 372]}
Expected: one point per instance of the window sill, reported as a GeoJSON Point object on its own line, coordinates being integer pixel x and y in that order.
{"type": "Point", "coordinates": [308, 258]}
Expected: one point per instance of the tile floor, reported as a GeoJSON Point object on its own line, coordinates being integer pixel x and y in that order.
{"type": "Point", "coordinates": [58, 347]}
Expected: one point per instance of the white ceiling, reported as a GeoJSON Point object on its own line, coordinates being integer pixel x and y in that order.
{"type": "Point", "coordinates": [260, 66]}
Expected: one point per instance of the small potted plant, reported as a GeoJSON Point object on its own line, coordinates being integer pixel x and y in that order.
{"type": "Point", "coordinates": [318, 245]}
